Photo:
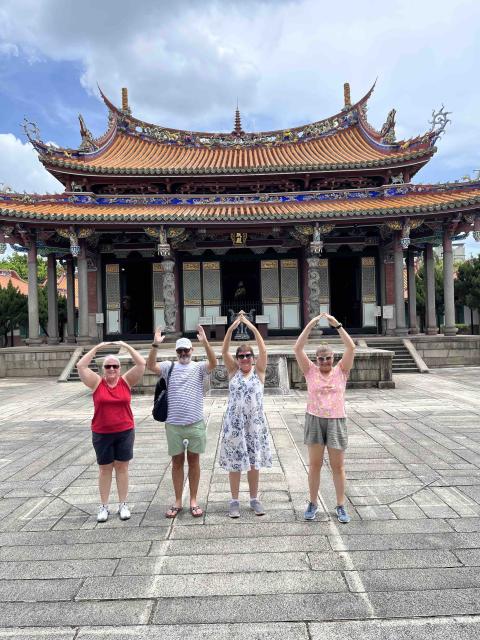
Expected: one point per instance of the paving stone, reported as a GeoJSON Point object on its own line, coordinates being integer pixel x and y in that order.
{"type": "Point", "coordinates": [244, 545]}
{"type": "Point", "coordinates": [211, 584]}
{"type": "Point", "coordinates": [410, 629]}
{"type": "Point", "coordinates": [37, 633]}
{"type": "Point", "coordinates": [38, 590]}
{"type": "Point", "coordinates": [444, 602]}
{"type": "Point", "coordinates": [28, 570]}
{"type": "Point", "coordinates": [389, 559]}
{"type": "Point", "coordinates": [75, 551]}
{"type": "Point", "coordinates": [271, 608]}
{"type": "Point", "coordinates": [225, 563]}
{"type": "Point", "coordinates": [246, 631]}
{"type": "Point", "coordinates": [30, 614]}
{"type": "Point", "coordinates": [414, 579]}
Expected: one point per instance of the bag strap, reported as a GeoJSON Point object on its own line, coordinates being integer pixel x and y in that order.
{"type": "Point", "coordinates": [170, 372]}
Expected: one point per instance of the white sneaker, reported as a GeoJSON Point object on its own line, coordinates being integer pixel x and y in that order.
{"type": "Point", "coordinates": [103, 513]}
{"type": "Point", "coordinates": [123, 511]}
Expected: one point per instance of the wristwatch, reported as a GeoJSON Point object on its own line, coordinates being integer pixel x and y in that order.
{"type": "Point", "coordinates": [338, 326]}
{"type": "Point", "coordinates": [155, 345]}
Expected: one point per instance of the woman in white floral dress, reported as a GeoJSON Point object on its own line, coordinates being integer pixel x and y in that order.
{"type": "Point", "coordinates": [245, 442]}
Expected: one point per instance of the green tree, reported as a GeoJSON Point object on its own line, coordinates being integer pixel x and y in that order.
{"type": "Point", "coordinates": [19, 263]}
{"type": "Point", "coordinates": [13, 310]}
{"type": "Point", "coordinates": [467, 285]}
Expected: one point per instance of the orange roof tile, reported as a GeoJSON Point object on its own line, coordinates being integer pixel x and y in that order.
{"type": "Point", "coordinates": [130, 154]}
{"type": "Point", "coordinates": [404, 200]}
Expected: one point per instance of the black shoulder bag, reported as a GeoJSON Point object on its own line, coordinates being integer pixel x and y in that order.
{"type": "Point", "coordinates": [160, 399]}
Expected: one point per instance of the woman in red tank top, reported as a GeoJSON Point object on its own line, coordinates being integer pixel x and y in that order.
{"type": "Point", "coordinates": [112, 424]}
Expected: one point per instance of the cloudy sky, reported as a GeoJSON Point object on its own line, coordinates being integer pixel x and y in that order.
{"type": "Point", "coordinates": [186, 62]}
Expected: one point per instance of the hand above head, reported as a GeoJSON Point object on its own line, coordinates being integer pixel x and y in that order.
{"type": "Point", "coordinates": [158, 335]}
{"type": "Point", "coordinates": [201, 336]}
{"type": "Point", "coordinates": [330, 319]}
{"type": "Point", "coordinates": [236, 322]}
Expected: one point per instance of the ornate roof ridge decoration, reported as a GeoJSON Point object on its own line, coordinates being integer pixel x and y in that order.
{"type": "Point", "coordinates": [349, 115]}
{"type": "Point", "coordinates": [383, 192]}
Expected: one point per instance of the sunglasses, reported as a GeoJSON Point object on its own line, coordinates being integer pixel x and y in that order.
{"type": "Point", "coordinates": [183, 352]}
{"type": "Point", "coordinates": [324, 358]}
{"type": "Point", "coordinates": [241, 356]}
{"type": "Point", "coordinates": [111, 366]}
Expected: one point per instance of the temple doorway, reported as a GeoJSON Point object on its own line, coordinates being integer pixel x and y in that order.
{"type": "Point", "coordinates": [345, 290]}
{"type": "Point", "coordinates": [136, 303]}
{"type": "Point", "coordinates": [241, 284]}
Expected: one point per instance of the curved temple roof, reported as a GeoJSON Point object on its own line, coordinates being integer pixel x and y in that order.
{"type": "Point", "coordinates": [404, 200]}
{"type": "Point", "coordinates": [344, 141]}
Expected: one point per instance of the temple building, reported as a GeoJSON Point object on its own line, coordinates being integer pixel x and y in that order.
{"type": "Point", "coordinates": [171, 227]}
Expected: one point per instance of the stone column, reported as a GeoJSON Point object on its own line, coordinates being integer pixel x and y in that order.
{"type": "Point", "coordinates": [430, 313]}
{"type": "Point", "coordinates": [33, 318]}
{"type": "Point", "coordinates": [52, 300]}
{"type": "Point", "coordinates": [170, 308]}
{"type": "Point", "coordinates": [412, 293]}
{"type": "Point", "coordinates": [448, 285]}
{"type": "Point", "coordinates": [70, 300]}
{"type": "Point", "coordinates": [314, 293]}
{"type": "Point", "coordinates": [400, 325]}
{"type": "Point", "coordinates": [83, 337]}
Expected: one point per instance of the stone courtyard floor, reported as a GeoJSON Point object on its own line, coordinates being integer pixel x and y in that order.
{"type": "Point", "coordinates": [407, 566]}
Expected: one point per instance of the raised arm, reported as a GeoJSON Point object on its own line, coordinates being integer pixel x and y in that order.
{"type": "Point", "coordinates": [349, 354]}
{"type": "Point", "coordinates": [299, 347]}
{"type": "Point", "coordinates": [212, 358]}
{"type": "Point", "coordinates": [152, 364]}
{"type": "Point", "coordinates": [135, 373]}
{"type": "Point", "coordinates": [89, 378]}
{"type": "Point", "coordinates": [228, 359]}
{"type": "Point", "coordinates": [261, 362]}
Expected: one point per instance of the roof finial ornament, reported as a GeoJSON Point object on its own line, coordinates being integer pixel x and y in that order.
{"type": "Point", "coordinates": [125, 108]}
{"type": "Point", "coordinates": [346, 96]}
{"type": "Point", "coordinates": [439, 121]}
{"type": "Point", "coordinates": [238, 131]}
{"type": "Point", "coordinates": [88, 141]}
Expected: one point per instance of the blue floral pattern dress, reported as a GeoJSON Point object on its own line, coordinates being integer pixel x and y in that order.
{"type": "Point", "coordinates": [245, 439]}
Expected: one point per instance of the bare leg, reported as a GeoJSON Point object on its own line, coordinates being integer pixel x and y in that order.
{"type": "Point", "coordinates": [193, 476]}
{"type": "Point", "coordinates": [234, 477]}
{"type": "Point", "coordinates": [121, 477]}
{"type": "Point", "coordinates": [337, 465]}
{"type": "Point", "coordinates": [315, 457]}
{"type": "Point", "coordinates": [178, 477]}
{"type": "Point", "coordinates": [105, 481]}
{"type": "Point", "coordinates": [253, 477]}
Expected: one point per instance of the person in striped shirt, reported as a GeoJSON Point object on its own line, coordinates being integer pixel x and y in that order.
{"type": "Point", "coordinates": [185, 413]}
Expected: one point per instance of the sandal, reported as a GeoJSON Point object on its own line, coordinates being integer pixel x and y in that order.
{"type": "Point", "coordinates": [196, 511]}
{"type": "Point", "coordinates": [173, 511]}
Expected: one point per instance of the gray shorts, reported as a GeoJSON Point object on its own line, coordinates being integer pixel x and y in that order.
{"type": "Point", "coordinates": [327, 431]}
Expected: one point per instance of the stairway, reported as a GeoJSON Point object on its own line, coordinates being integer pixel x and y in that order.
{"type": "Point", "coordinates": [402, 360]}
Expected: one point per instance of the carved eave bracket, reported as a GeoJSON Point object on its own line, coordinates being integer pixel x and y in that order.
{"type": "Point", "coordinates": [74, 236]}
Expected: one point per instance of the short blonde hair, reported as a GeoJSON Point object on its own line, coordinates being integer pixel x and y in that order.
{"type": "Point", "coordinates": [324, 347]}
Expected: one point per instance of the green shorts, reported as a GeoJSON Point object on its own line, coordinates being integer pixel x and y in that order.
{"type": "Point", "coordinates": [195, 433]}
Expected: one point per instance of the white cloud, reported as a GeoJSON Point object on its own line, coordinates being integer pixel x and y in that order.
{"type": "Point", "coordinates": [285, 60]}
{"type": "Point", "coordinates": [21, 170]}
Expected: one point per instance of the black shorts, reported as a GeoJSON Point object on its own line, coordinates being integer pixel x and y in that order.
{"type": "Point", "coordinates": [113, 446]}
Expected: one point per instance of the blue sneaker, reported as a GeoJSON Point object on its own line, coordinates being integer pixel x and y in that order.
{"type": "Point", "coordinates": [342, 515]}
{"type": "Point", "coordinates": [310, 511]}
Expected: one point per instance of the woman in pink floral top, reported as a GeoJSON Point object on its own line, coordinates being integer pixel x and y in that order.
{"type": "Point", "coordinates": [325, 420]}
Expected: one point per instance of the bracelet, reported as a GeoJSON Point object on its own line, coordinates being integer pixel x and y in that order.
{"type": "Point", "coordinates": [339, 326]}
{"type": "Point", "coordinates": [155, 345]}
